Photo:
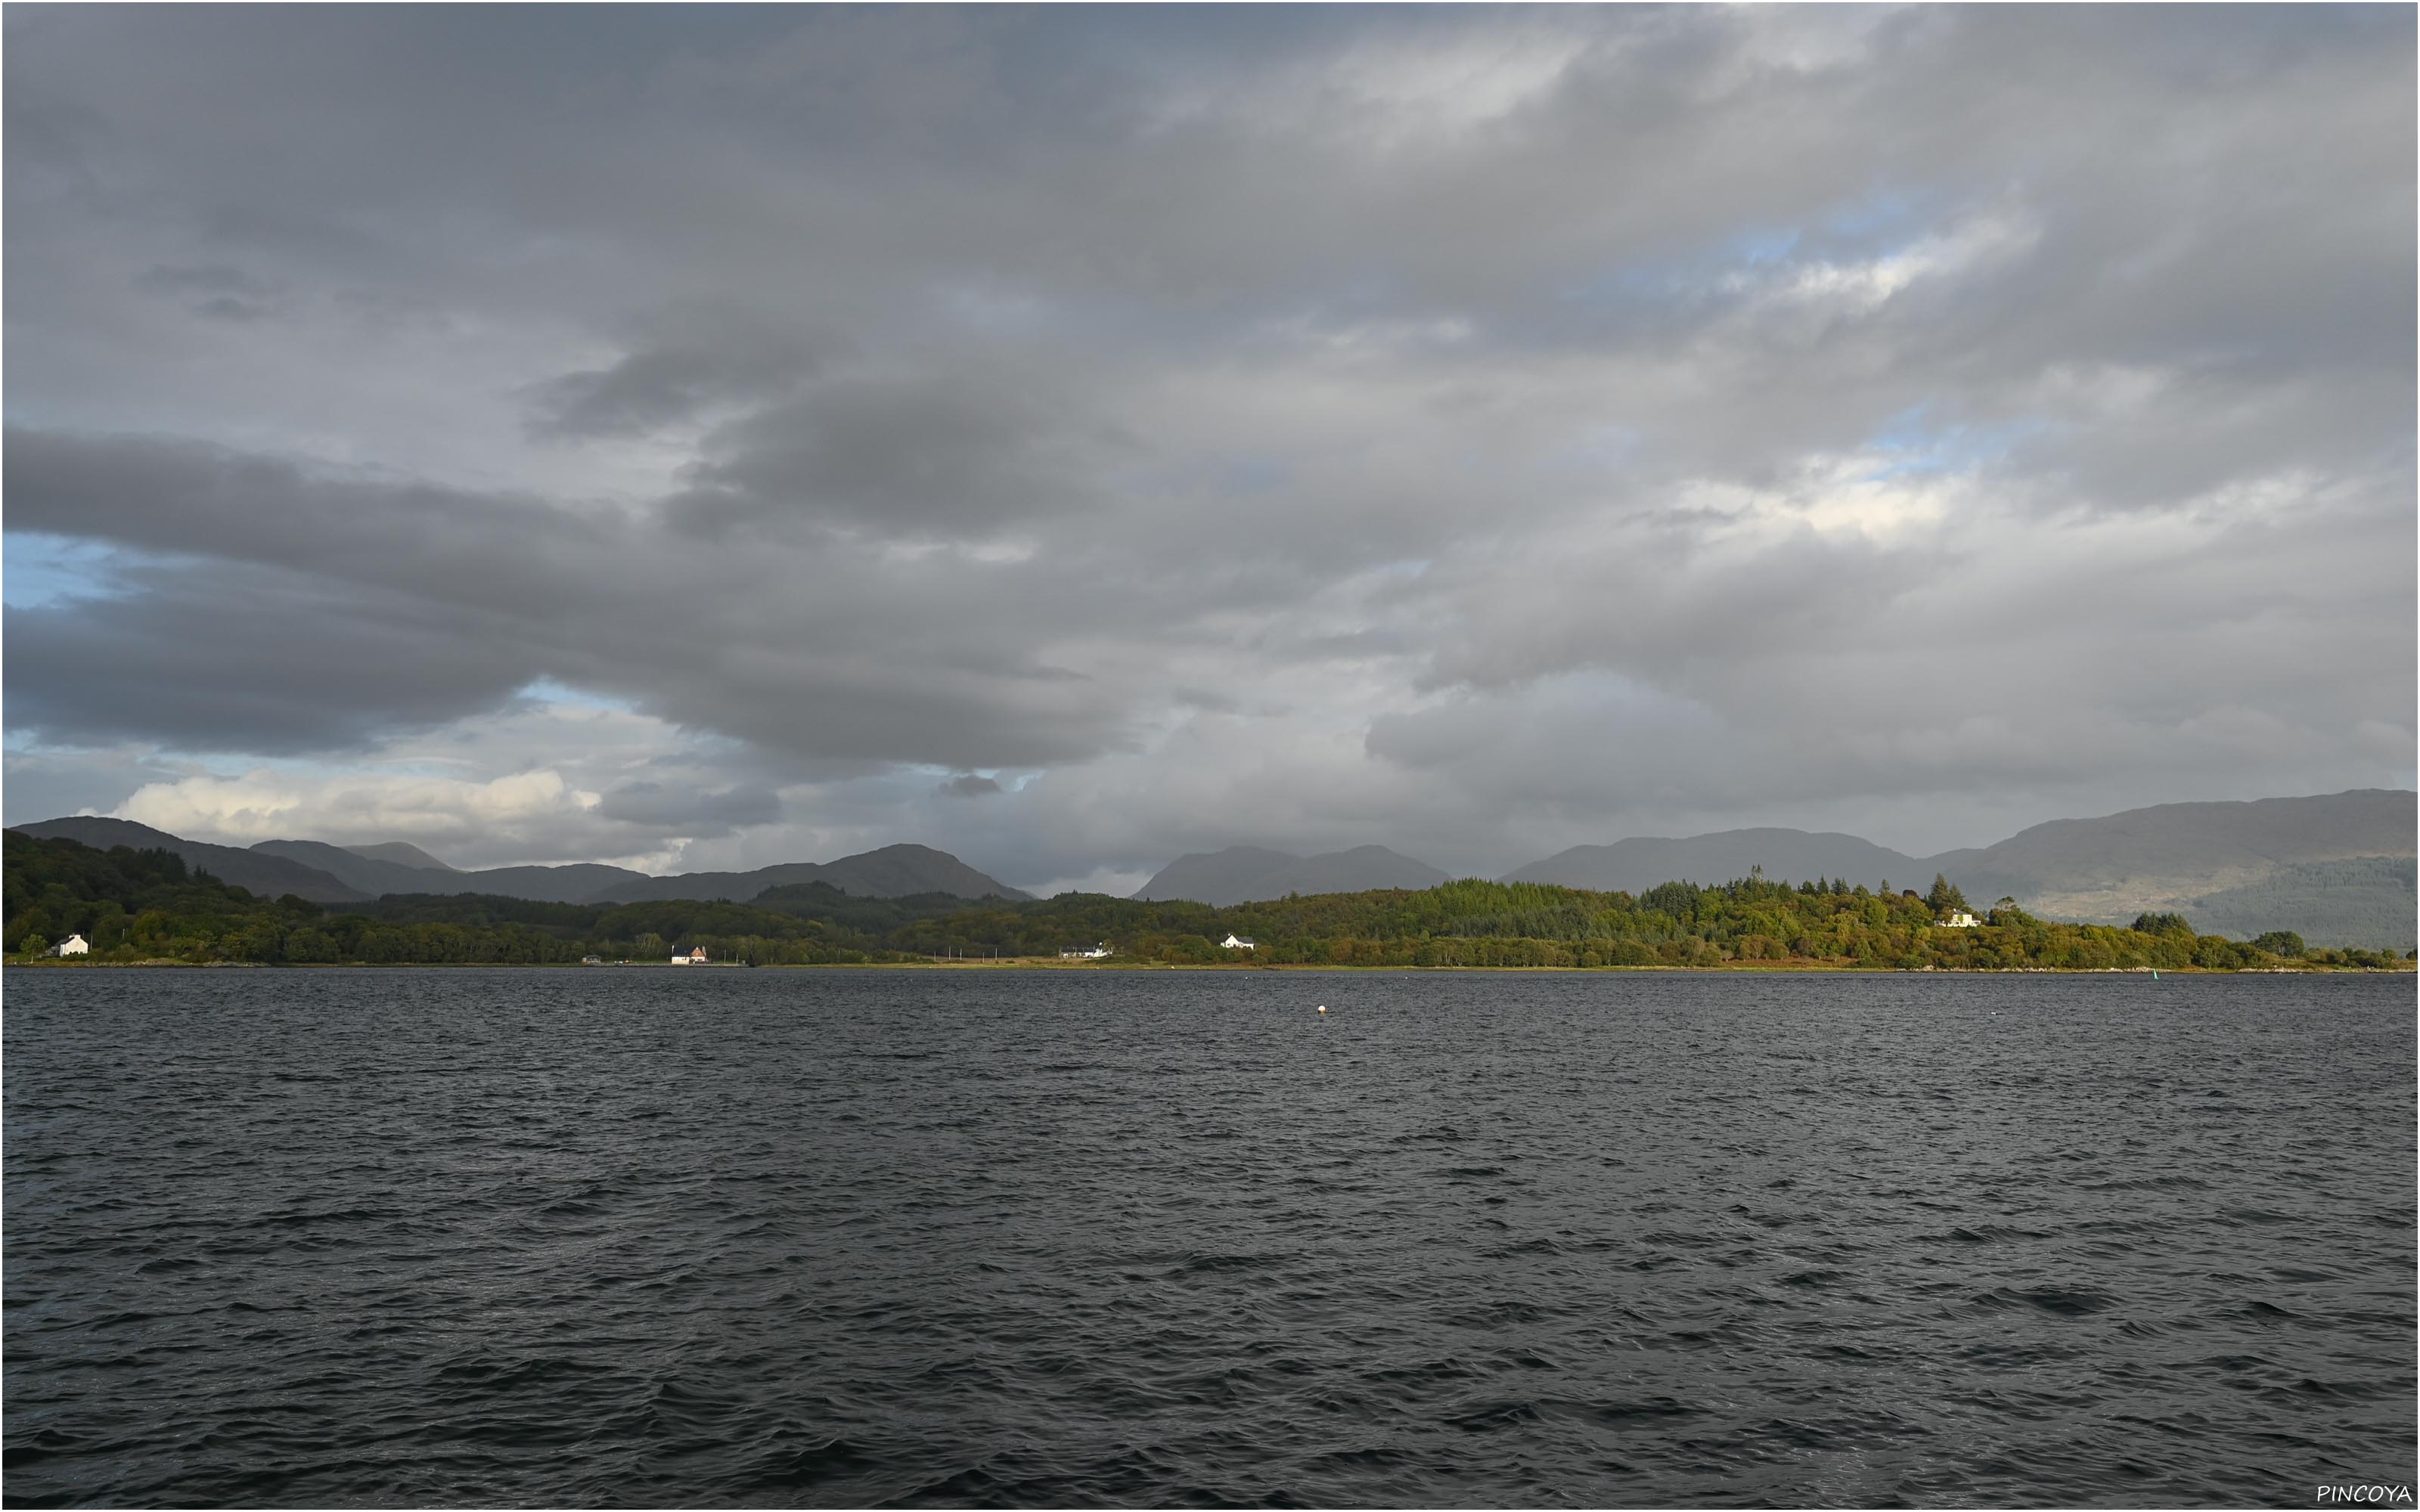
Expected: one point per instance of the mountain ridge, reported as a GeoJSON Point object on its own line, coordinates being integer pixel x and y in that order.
{"type": "Point", "coordinates": [1639, 862]}
{"type": "Point", "coordinates": [2107, 869]}
{"type": "Point", "coordinates": [888, 871]}
{"type": "Point", "coordinates": [267, 875]}
{"type": "Point", "coordinates": [370, 876]}
{"type": "Point", "coordinates": [326, 873]}
{"type": "Point", "coordinates": [402, 853]}
{"type": "Point", "coordinates": [1249, 873]}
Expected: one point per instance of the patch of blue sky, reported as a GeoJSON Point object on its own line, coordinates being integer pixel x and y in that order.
{"type": "Point", "coordinates": [1772, 244]}
{"type": "Point", "coordinates": [547, 690]}
{"type": "Point", "coordinates": [1883, 214]}
{"type": "Point", "coordinates": [1873, 225]}
{"type": "Point", "coordinates": [1700, 272]}
{"type": "Point", "coordinates": [38, 569]}
{"type": "Point", "coordinates": [1912, 443]}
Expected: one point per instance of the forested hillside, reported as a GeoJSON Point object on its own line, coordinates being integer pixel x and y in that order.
{"type": "Point", "coordinates": [147, 905]}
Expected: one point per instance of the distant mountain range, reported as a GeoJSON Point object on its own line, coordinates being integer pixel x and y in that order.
{"type": "Point", "coordinates": [341, 875]}
{"type": "Point", "coordinates": [2243, 868]}
{"type": "Point", "coordinates": [2175, 855]}
{"type": "Point", "coordinates": [1246, 874]}
{"type": "Point", "coordinates": [2338, 870]}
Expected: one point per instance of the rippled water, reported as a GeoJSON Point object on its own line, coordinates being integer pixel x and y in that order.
{"type": "Point", "coordinates": [819, 1238]}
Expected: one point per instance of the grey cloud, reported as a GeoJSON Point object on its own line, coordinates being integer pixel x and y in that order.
{"type": "Point", "coordinates": [950, 454]}
{"type": "Point", "coordinates": [248, 659]}
{"type": "Point", "coordinates": [708, 360]}
{"type": "Point", "coordinates": [48, 784]}
{"type": "Point", "coordinates": [209, 278]}
{"type": "Point", "coordinates": [215, 290]}
{"type": "Point", "coordinates": [228, 307]}
{"type": "Point", "coordinates": [968, 785]}
{"type": "Point", "coordinates": [684, 809]}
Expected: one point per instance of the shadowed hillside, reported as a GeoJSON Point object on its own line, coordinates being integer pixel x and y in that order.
{"type": "Point", "coordinates": [1783, 855]}
{"type": "Point", "coordinates": [1242, 873]}
{"type": "Point", "coordinates": [267, 875]}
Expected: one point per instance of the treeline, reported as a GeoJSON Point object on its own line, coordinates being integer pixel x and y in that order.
{"type": "Point", "coordinates": [1478, 923]}
{"type": "Point", "coordinates": [146, 906]}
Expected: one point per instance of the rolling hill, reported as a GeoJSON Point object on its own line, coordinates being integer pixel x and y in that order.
{"type": "Point", "coordinates": [575, 882]}
{"type": "Point", "coordinates": [893, 872]}
{"type": "Point", "coordinates": [402, 854]}
{"type": "Point", "coordinates": [267, 875]}
{"type": "Point", "coordinates": [1247, 873]}
{"type": "Point", "coordinates": [2108, 870]}
{"type": "Point", "coordinates": [1786, 856]}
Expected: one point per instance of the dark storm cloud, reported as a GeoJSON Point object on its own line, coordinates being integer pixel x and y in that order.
{"type": "Point", "coordinates": [968, 785]}
{"type": "Point", "coordinates": [948, 454]}
{"type": "Point", "coordinates": [217, 292]}
{"type": "Point", "coordinates": [304, 577]}
{"type": "Point", "coordinates": [1445, 427]}
{"type": "Point", "coordinates": [250, 659]}
{"type": "Point", "coordinates": [685, 367]}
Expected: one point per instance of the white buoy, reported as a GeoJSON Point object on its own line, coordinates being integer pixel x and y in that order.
{"type": "Point", "coordinates": [1323, 1008]}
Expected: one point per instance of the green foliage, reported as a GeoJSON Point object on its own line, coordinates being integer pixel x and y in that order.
{"type": "Point", "coordinates": [2280, 942]}
{"type": "Point", "coordinates": [2161, 924]}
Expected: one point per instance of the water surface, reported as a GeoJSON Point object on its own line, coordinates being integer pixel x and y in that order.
{"type": "Point", "coordinates": [847, 1238]}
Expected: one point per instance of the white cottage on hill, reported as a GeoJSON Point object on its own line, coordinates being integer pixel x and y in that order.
{"type": "Point", "coordinates": [1236, 942]}
{"type": "Point", "coordinates": [73, 945]}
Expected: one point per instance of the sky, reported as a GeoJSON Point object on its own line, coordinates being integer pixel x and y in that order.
{"type": "Point", "coordinates": [703, 438]}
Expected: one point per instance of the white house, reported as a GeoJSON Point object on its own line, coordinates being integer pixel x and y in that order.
{"type": "Point", "coordinates": [1077, 952]}
{"type": "Point", "coordinates": [696, 957]}
{"type": "Point", "coordinates": [73, 945]}
{"type": "Point", "coordinates": [1236, 942]}
{"type": "Point", "coordinates": [1959, 918]}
